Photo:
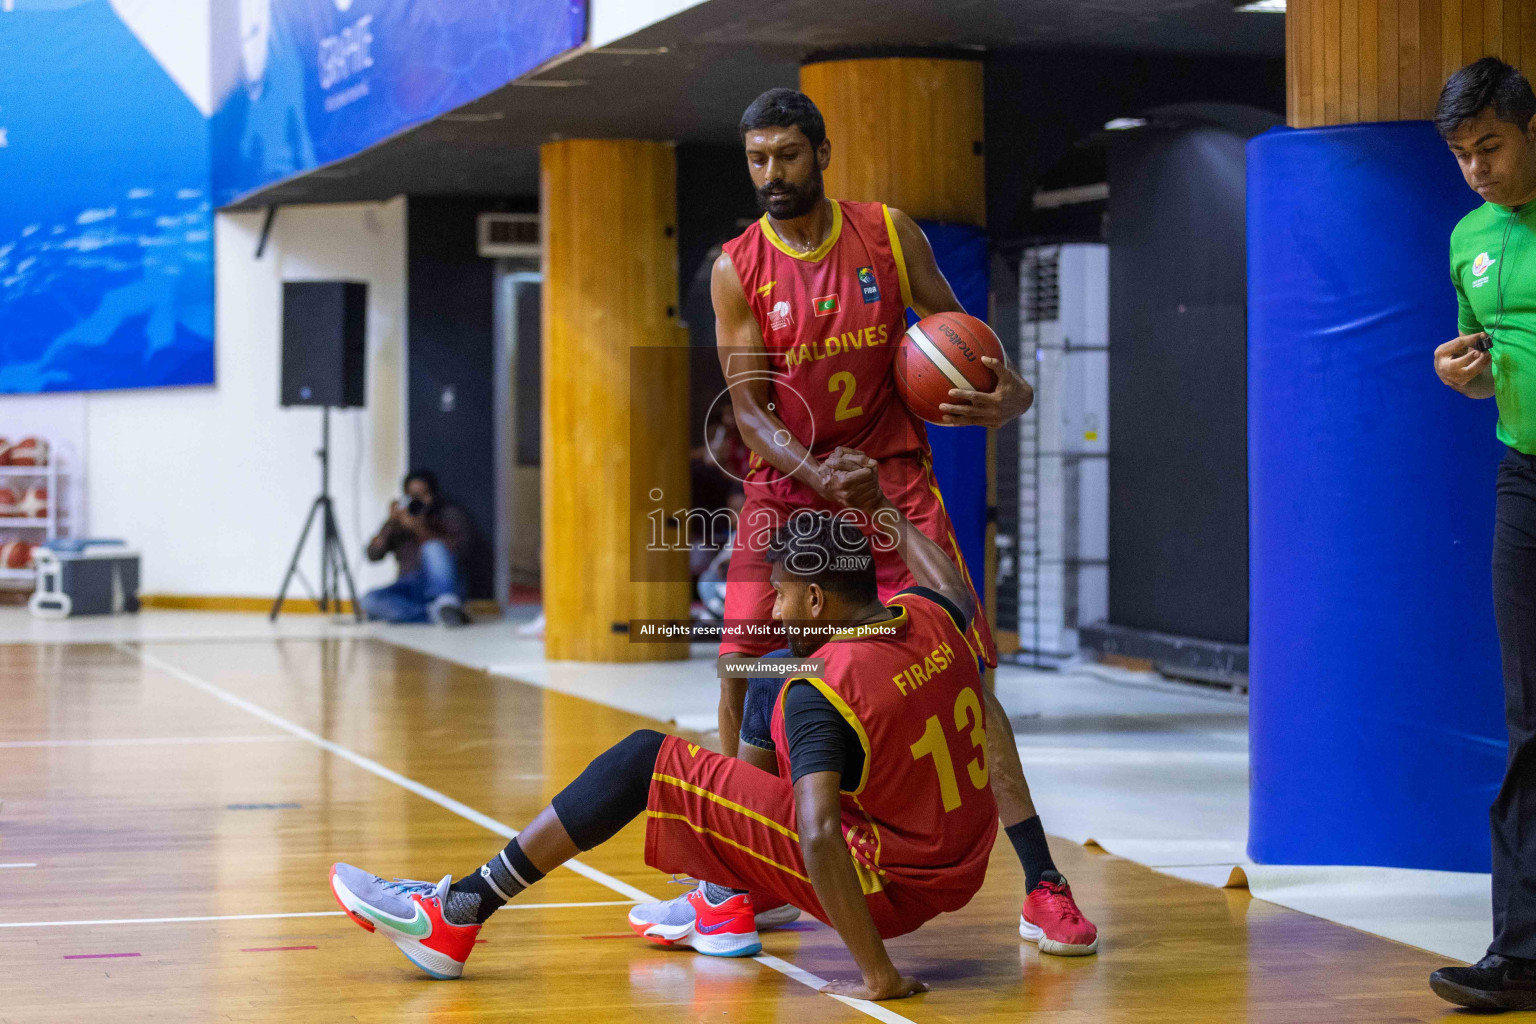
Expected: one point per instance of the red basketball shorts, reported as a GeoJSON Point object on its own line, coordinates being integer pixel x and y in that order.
{"type": "Point", "coordinates": [719, 818]}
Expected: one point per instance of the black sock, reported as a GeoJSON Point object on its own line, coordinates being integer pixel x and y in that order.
{"type": "Point", "coordinates": [476, 896]}
{"type": "Point", "coordinates": [1028, 839]}
{"type": "Point", "coordinates": [718, 894]}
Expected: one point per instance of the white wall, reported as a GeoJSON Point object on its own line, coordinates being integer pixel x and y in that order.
{"type": "Point", "coordinates": [179, 35]}
{"type": "Point", "coordinates": [211, 485]}
{"type": "Point", "coordinates": [611, 20]}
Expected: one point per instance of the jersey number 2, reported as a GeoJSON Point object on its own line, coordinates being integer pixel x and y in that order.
{"type": "Point", "coordinates": [968, 718]}
{"type": "Point", "coordinates": [843, 379]}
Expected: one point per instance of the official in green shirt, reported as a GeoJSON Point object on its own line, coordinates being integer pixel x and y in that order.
{"type": "Point", "coordinates": [1493, 266]}
{"type": "Point", "coordinates": [1487, 115]}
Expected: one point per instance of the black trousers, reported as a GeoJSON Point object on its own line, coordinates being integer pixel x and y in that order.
{"type": "Point", "coordinates": [1513, 814]}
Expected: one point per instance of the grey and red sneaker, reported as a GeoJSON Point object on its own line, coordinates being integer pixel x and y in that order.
{"type": "Point", "coordinates": [1051, 919]}
{"type": "Point", "coordinates": [409, 914]}
{"type": "Point", "coordinates": [726, 928]}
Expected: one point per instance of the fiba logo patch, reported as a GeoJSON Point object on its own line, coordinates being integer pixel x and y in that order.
{"type": "Point", "coordinates": [1481, 264]}
{"type": "Point", "coordinates": [779, 317]}
{"type": "Point", "coordinates": [868, 285]}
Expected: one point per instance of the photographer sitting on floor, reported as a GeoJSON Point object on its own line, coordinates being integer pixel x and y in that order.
{"type": "Point", "coordinates": [426, 535]}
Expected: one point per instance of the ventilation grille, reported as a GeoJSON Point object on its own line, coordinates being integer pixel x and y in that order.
{"type": "Point", "coordinates": [1040, 285]}
{"type": "Point", "coordinates": [509, 235]}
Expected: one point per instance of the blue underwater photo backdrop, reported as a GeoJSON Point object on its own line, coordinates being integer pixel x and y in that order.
{"type": "Point", "coordinates": [125, 123]}
{"type": "Point", "coordinates": [106, 226]}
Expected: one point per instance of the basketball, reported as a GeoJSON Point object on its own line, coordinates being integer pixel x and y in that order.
{"type": "Point", "coordinates": [29, 451]}
{"type": "Point", "coordinates": [941, 352]}
{"type": "Point", "coordinates": [34, 502]}
{"type": "Point", "coordinates": [16, 554]}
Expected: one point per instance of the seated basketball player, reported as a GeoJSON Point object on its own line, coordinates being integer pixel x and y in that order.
{"type": "Point", "coordinates": [874, 828]}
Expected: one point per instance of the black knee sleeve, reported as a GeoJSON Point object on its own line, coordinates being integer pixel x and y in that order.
{"type": "Point", "coordinates": [611, 792]}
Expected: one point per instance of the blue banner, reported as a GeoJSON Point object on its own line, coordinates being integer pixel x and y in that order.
{"type": "Point", "coordinates": [106, 251]}
{"type": "Point", "coordinates": [320, 80]}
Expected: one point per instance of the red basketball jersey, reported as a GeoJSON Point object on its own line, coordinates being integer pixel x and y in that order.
{"type": "Point", "coordinates": [923, 814]}
{"type": "Point", "coordinates": [830, 320]}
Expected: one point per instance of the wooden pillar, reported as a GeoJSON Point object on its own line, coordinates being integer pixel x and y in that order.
{"type": "Point", "coordinates": [905, 131]}
{"type": "Point", "coordinates": [615, 416]}
{"type": "Point", "coordinates": [1349, 61]}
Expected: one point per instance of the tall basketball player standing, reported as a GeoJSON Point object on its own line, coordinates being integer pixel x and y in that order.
{"type": "Point", "coordinates": [810, 302]}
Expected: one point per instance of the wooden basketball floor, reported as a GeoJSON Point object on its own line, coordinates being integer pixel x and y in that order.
{"type": "Point", "coordinates": [170, 811]}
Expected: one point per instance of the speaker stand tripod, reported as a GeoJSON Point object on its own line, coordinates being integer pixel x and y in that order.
{"type": "Point", "coordinates": [333, 556]}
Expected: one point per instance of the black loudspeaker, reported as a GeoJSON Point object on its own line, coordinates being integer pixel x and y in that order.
{"type": "Point", "coordinates": [324, 324]}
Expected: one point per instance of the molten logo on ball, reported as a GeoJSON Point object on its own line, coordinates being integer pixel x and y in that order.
{"type": "Point", "coordinates": [959, 342]}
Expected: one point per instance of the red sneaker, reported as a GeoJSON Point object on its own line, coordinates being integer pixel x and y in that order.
{"type": "Point", "coordinates": [409, 914]}
{"type": "Point", "coordinates": [1051, 919]}
{"type": "Point", "coordinates": [723, 929]}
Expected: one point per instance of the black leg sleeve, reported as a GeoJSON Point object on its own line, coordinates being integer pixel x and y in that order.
{"type": "Point", "coordinates": [611, 792]}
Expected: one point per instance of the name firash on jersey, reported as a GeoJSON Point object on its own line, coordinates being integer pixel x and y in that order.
{"type": "Point", "coordinates": [916, 674]}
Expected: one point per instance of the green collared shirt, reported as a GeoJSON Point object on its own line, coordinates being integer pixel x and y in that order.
{"type": "Point", "coordinates": [1493, 266]}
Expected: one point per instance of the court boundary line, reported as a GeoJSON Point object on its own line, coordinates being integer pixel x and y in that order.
{"type": "Point", "coordinates": [448, 803]}
{"type": "Point", "coordinates": [273, 917]}
{"type": "Point", "coordinates": [368, 764]}
{"type": "Point", "coordinates": [143, 741]}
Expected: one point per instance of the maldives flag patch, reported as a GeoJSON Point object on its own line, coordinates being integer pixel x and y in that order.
{"type": "Point", "coordinates": [825, 305]}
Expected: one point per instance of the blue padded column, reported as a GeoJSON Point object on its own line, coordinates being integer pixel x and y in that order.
{"type": "Point", "coordinates": [960, 453]}
{"type": "Point", "coordinates": [1377, 724]}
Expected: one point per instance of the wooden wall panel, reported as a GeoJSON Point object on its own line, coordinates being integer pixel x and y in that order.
{"type": "Point", "coordinates": [1527, 30]}
{"type": "Point", "coordinates": [1368, 23]}
{"type": "Point", "coordinates": [1386, 60]}
{"type": "Point", "coordinates": [1349, 61]}
{"type": "Point", "coordinates": [610, 287]}
{"type": "Point", "coordinates": [1333, 83]}
{"type": "Point", "coordinates": [1510, 32]}
{"type": "Point", "coordinates": [905, 131]}
{"type": "Point", "coordinates": [1318, 33]}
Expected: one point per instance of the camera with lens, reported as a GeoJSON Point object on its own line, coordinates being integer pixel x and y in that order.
{"type": "Point", "coordinates": [414, 506]}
